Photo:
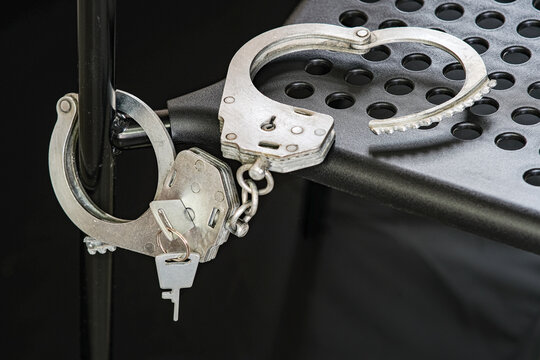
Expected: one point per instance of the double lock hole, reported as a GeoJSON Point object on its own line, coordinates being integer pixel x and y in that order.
{"type": "Point", "coordinates": [270, 125]}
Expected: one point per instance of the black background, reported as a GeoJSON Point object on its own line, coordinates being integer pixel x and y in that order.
{"type": "Point", "coordinates": [321, 275]}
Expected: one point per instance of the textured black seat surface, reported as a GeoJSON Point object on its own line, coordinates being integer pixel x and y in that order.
{"type": "Point", "coordinates": [334, 277]}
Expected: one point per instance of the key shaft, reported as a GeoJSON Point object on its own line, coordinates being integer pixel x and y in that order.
{"type": "Point", "coordinates": [175, 275]}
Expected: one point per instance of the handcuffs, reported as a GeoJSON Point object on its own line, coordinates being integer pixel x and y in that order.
{"type": "Point", "coordinates": [296, 138]}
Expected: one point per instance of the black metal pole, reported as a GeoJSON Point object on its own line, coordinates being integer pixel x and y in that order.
{"type": "Point", "coordinates": [96, 50]}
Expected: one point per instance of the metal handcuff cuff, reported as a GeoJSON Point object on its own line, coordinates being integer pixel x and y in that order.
{"type": "Point", "coordinates": [196, 199]}
{"type": "Point", "coordinates": [137, 235]}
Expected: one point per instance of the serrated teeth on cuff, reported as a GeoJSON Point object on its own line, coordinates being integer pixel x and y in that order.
{"type": "Point", "coordinates": [456, 108]}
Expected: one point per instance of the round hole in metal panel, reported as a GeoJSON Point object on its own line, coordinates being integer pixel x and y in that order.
{"type": "Point", "coordinates": [532, 177]}
{"type": "Point", "coordinates": [526, 115]}
{"type": "Point", "coordinates": [478, 44]}
{"type": "Point", "coordinates": [416, 62]}
{"type": "Point", "coordinates": [409, 5]}
{"type": "Point", "coordinates": [439, 95]}
{"type": "Point", "coordinates": [534, 90]}
{"type": "Point", "coordinates": [466, 131]}
{"type": "Point", "coordinates": [318, 66]}
{"type": "Point", "coordinates": [353, 18]}
{"type": "Point", "coordinates": [490, 20]}
{"type": "Point", "coordinates": [381, 110]}
{"type": "Point", "coordinates": [378, 53]}
{"type": "Point", "coordinates": [399, 86]}
{"type": "Point", "coordinates": [299, 90]}
{"type": "Point", "coordinates": [536, 4]}
{"type": "Point", "coordinates": [504, 80]}
{"type": "Point", "coordinates": [430, 126]}
{"type": "Point", "coordinates": [449, 11]}
{"type": "Point", "coordinates": [510, 141]}
{"type": "Point", "coordinates": [529, 28]}
{"type": "Point", "coordinates": [484, 106]}
{"type": "Point", "coordinates": [369, 1]}
{"type": "Point", "coordinates": [340, 100]}
{"type": "Point", "coordinates": [358, 76]}
{"type": "Point", "coordinates": [516, 54]}
{"type": "Point", "coordinates": [454, 71]}
{"type": "Point", "coordinates": [505, 1]}
{"type": "Point", "coordinates": [392, 23]}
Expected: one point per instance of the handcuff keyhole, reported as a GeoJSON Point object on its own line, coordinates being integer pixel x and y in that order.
{"type": "Point", "coordinates": [269, 125]}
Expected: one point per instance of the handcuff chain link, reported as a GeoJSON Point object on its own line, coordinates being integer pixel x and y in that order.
{"type": "Point", "coordinates": [237, 223]}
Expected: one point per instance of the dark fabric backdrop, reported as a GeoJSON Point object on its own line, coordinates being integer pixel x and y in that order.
{"type": "Point", "coordinates": [321, 275]}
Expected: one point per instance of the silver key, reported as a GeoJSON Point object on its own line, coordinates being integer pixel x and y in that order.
{"type": "Point", "coordinates": [175, 275]}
